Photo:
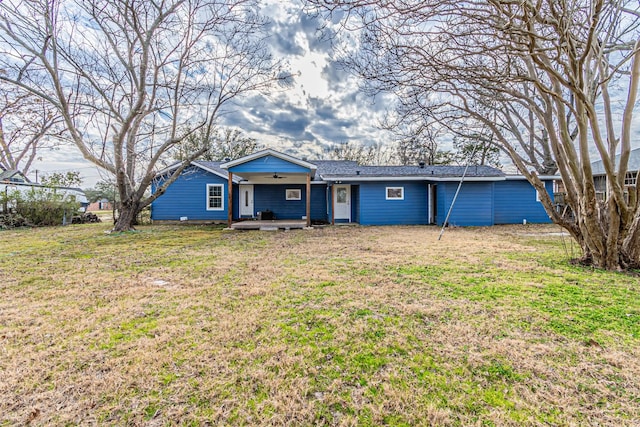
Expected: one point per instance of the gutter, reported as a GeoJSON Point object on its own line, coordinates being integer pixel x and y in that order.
{"type": "Point", "coordinates": [411, 178]}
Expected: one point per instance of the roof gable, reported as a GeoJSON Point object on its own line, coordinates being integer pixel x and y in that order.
{"type": "Point", "coordinates": [13, 175]}
{"type": "Point", "coordinates": [266, 161]}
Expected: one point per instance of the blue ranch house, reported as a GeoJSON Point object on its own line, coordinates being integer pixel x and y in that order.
{"type": "Point", "coordinates": [269, 185]}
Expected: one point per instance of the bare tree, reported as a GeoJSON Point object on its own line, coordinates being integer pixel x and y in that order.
{"type": "Point", "coordinates": [417, 140]}
{"type": "Point", "coordinates": [477, 148]}
{"type": "Point", "coordinates": [372, 154]}
{"type": "Point", "coordinates": [226, 143]}
{"type": "Point", "coordinates": [544, 68]}
{"type": "Point", "coordinates": [27, 126]}
{"type": "Point", "coordinates": [133, 78]}
{"type": "Point", "coordinates": [516, 122]}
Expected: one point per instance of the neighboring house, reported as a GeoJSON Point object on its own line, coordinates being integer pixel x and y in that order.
{"type": "Point", "coordinates": [12, 175]}
{"type": "Point", "coordinates": [100, 205]}
{"type": "Point", "coordinates": [8, 186]}
{"type": "Point", "coordinates": [600, 178]}
{"type": "Point", "coordinates": [272, 185]}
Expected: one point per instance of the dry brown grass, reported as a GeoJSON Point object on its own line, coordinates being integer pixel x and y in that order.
{"type": "Point", "coordinates": [333, 326]}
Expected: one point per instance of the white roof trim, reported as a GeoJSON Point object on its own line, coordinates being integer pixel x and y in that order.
{"type": "Point", "coordinates": [541, 177]}
{"type": "Point", "coordinates": [197, 163]}
{"type": "Point", "coordinates": [471, 178]}
{"type": "Point", "coordinates": [411, 178]}
{"type": "Point", "coordinates": [234, 179]}
{"type": "Point", "coordinates": [268, 152]}
{"type": "Point", "coordinates": [248, 181]}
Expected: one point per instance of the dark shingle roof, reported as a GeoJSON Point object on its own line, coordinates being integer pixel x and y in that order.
{"type": "Point", "coordinates": [329, 169]}
{"type": "Point", "coordinates": [214, 166]}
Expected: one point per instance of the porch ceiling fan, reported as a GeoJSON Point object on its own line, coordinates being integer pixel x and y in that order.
{"type": "Point", "coordinates": [275, 176]}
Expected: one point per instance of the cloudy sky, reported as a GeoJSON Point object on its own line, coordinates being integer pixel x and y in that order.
{"type": "Point", "coordinates": [323, 106]}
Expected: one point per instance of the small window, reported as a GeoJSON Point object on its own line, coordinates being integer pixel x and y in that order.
{"type": "Point", "coordinates": [630, 179]}
{"type": "Point", "coordinates": [215, 200]}
{"type": "Point", "coordinates": [341, 195]}
{"type": "Point", "coordinates": [395, 193]}
{"type": "Point", "coordinates": [293, 194]}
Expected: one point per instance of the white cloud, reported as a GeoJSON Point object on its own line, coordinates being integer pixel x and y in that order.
{"type": "Point", "coordinates": [322, 107]}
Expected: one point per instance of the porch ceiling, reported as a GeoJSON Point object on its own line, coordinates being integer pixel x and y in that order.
{"type": "Point", "coordinates": [268, 177]}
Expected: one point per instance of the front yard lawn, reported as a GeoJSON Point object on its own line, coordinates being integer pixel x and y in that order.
{"type": "Point", "coordinates": [332, 326]}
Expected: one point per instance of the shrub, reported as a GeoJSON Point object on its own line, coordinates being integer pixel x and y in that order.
{"type": "Point", "coordinates": [40, 206]}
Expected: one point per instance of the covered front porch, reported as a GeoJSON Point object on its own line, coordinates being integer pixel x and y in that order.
{"type": "Point", "coordinates": [272, 184]}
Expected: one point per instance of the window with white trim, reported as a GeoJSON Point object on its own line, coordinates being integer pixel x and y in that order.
{"type": "Point", "coordinates": [293, 194]}
{"type": "Point", "coordinates": [630, 179]}
{"type": "Point", "coordinates": [215, 197]}
{"type": "Point", "coordinates": [395, 193]}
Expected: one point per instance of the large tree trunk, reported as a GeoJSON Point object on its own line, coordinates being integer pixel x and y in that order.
{"type": "Point", "coordinates": [606, 241]}
{"type": "Point", "coordinates": [630, 244]}
{"type": "Point", "coordinates": [127, 219]}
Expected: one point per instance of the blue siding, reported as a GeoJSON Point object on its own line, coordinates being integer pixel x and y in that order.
{"type": "Point", "coordinates": [376, 210]}
{"type": "Point", "coordinates": [474, 206]}
{"type": "Point", "coordinates": [478, 204]}
{"type": "Point", "coordinates": [273, 197]}
{"type": "Point", "coordinates": [269, 164]}
{"type": "Point", "coordinates": [355, 203]}
{"type": "Point", "coordinates": [187, 196]}
{"type": "Point", "coordinates": [515, 200]}
{"type": "Point", "coordinates": [319, 203]}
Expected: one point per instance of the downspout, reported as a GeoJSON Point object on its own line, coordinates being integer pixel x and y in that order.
{"type": "Point", "coordinates": [230, 199]}
{"type": "Point", "coordinates": [326, 198]}
{"type": "Point", "coordinates": [308, 201]}
{"type": "Point", "coordinates": [333, 205]}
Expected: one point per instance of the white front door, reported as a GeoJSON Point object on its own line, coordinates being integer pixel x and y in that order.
{"type": "Point", "coordinates": [342, 202]}
{"type": "Point", "coordinates": [246, 200]}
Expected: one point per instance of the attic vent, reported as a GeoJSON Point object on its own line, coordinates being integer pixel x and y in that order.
{"type": "Point", "coordinates": [357, 172]}
{"type": "Point", "coordinates": [421, 164]}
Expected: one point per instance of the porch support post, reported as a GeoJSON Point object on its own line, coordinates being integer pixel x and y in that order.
{"type": "Point", "coordinates": [333, 204]}
{"type": "Point", "coordinates": [230, 200]}
{"type": "Point", "coordinates": [308, 199]}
